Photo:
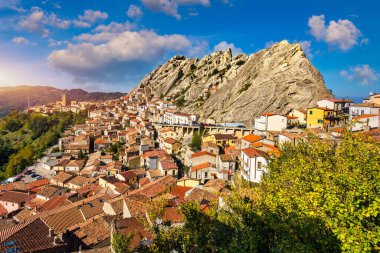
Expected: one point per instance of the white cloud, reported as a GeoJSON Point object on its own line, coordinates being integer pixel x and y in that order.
{"type": "Point", "coordinates": [362, 74]}
{"type": "Point", "coordinates": [116, 55]}
{"type": "Point", "coordinates": [170, 7]}
{"type": "Point", "coordinates": [53, 20]}
{"type": "Point", "coordinates": [34, 23]}
{"type": "Point", "coordinates": [20, 40]}
{"type": "Point", "coordinates": [115, 27]}
{"type": "Point", "coordinates": [342, 33]}
{"type": "Point", "coordinates": [306, 46]}
{"type": "Point", "coordinates": [92, 16]}
{"type": "Point", "coordinates": [134, 12]}
{"type": "Point", "coordinates": [89, 18]}
{"type": "Point", "coordinates": [57, 43]}
{"type": "Point", "coordinates": [12, 5]}
{"type": "Point", "coordinates": [270, 43]}
{"type": "Point", "coordinates": [225, 45]}
{"type": "Point", "coordinates": [38, 19]}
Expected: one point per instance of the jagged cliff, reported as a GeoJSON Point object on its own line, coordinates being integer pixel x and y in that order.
{"type": "Point", "coordinates": [237, 89]}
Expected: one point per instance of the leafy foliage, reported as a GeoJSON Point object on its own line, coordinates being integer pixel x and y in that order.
{"type": "Point", "coordinates": [25, 137]}
{"type": "Point", "coordinates": [196, 142]}
{"type": "Point", "coordinates": [317, 197]}
{"type": "Point", "coordinates": [120, 243]}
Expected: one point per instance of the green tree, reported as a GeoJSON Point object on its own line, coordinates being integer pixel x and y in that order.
{"type": "Point", "coordinates": [120, 243]}
{"type": "Point", "coordinates": [318, 196]}
{"type": "Point", "coordinates": [196, 142]}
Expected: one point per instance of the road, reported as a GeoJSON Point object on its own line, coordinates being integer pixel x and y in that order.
{"type": "Point", "coordinates": [38, 169]}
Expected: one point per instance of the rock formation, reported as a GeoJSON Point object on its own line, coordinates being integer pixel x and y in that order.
{"type": "Point", "coordinates": [238, 89]}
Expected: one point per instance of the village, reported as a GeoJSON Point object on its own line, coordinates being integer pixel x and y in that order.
{"type": "Point", "coordinates": [104, 176]}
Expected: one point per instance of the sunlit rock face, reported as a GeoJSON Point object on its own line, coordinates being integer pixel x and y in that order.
{"type": "Point", "coordinates": [239, 88]}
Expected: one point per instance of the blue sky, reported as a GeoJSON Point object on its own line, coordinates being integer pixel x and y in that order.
{"type": "Point", "coordinates": [110, 45]}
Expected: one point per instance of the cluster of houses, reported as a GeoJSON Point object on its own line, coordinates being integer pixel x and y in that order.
{"type": "Point", "coordinates": [107, 175]}
{"type": "Point", "coordinates": [328, 113]}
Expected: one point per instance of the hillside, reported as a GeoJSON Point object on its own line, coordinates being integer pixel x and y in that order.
{"type": "Point", "coordinates": [237, 89]}
{"type": "Point", "coordinates": [16, 98]}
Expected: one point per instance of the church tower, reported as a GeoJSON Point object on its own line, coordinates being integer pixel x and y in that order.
{"type": "Point", "coordinates": [64, 100]}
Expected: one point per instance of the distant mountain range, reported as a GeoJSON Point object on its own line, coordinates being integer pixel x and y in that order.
{"type": "Point", "coordinates": [16, 97]}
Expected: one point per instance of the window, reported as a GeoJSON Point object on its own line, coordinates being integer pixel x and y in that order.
{"type": "Point", "coordinates": [166, 173]}
{"type": "Point", "coordinates": [173, 172]}
{"type": "Point", "coordinates": [320, 121]}
{"type": "Point", "coordinates": [310, 112]}
{"type": "Point", "coordinates": [206, 174]}
{"type": "Point", "coordinates": [259, 165]}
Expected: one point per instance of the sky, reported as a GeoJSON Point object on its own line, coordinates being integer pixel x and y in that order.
{"type": "Point", "coordinates": [110, 45]}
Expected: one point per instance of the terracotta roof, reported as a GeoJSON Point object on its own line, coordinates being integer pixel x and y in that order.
{"type": "Point", "coordinates": [216, 184]}
{"type": "Point", "coordinates": [38, 183]}
{"type": "Point", "coordinates": [202, 166]}
{"type": "Point", "coordinates": [179, 192]}
{"type": "Point", "coordinates": [128, 174]}
{"type": "Point", "coordinates": [93, 233]}
{"type": "Point", "coordinates": [62, 177]}
{"type": "Point", "coordinates": [365, 116]}
{"type": "Point", "coordinates": [252, 152]}
{"type": "Point", "coordinates": [48, 191]}
{"type": "Point", "coordinates": [201, 196]}
{"type": "Point", "coordinates": [168, 165]}
{"type": "Point", "coordinates": [224, 137]}
{"type": "Point", "coordinates": [30, 237]}
{"type": "Point", "coordinates": [14, 197]}
{"type": "Point", "coordinates": [154, 153]}
{"type": "Point", "coordinates": [170, 141]}
{"type": "Point", "coordinates": [337, 100]}
{"type": "Point", "coordinates": [209, 144]}
{"type": "Point", "coordinates": [78, 181]}
{"type": "Point", "coordinates": [155, 173]}
{"type": "Point", "coordinates": [173, 215]}
{"type": "Point", "coordinates": [3, 211]}
{"type": "Point", "coordinates": [202, 153]}
{"type": "Point", "coordinates": [136, 228]}
{"type": "Point", "coordinates": [226, 158]}
{"type": "Point", "coordinates": [76, 163]}
{"type": "Point", "coordinates": [268, 114]}
{"type": "Point", "coordinates": [252, 138]}
{"type": "Point", "coordinates": [55, 202]}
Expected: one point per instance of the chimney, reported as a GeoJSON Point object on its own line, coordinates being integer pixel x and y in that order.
{"type": "Point", "coordinates": [51, 232]}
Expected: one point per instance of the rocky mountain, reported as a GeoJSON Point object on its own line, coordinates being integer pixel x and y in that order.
{"type": "Point", "coordinates": [237, 89]}
{"type": "Point", "coordinates": [16, 98]}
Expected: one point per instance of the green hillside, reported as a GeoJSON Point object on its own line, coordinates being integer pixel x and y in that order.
{"type": "Point", "coordinates": [24, 138]}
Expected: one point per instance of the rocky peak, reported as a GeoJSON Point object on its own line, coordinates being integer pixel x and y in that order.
{"type": "Point", "coordinates": [237, 89]}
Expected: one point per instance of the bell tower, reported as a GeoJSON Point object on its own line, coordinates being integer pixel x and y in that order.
{"type": "Point", "coordinates": [64, 100]}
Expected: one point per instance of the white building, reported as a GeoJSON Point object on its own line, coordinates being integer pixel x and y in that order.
{"type": "Point", "coordinates": [271, 122]}
{"type": "Point", "coordinates": [254, 164]}
{"type": "Point", "coordinates": [363, 109]}
{"type": "Point", "coordinates": [177, 118]}
{"type": "Point", "coordinates": [365, 122]}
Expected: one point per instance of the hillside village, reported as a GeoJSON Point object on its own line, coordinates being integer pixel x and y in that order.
{"type": "Point", "coordinates": [106, 175]}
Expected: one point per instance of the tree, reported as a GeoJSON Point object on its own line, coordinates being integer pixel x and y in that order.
{"type": "Point", "coordinates": [196, 142]}
{"type": "Point", "coordinates": [318, 196]}
{"type": "Point", "coordinates": [120, 243]}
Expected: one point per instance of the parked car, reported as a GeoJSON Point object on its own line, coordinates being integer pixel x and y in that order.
{"type": "Point", "coordinates": [38, 177]}
{"type": "Point", "coordinates": [34, 175]}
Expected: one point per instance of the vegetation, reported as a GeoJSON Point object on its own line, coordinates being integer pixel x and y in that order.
{"type": "Point", "coordinates": [244, 88]}
{"type": "Point", "coordinates": [196, 142]}
{"type": "Point", "coordinates": [120, 243]}
{"type": "Point", "coordinates": [115, 149]}
{"type": "Point", "coordinates": [180, 101]}
{"type": "Point", "coordinates": [25, 137]}
{"type": "Point", "coordinates": [317, 197]}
